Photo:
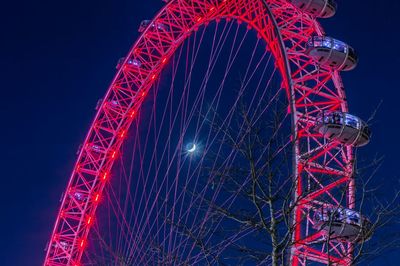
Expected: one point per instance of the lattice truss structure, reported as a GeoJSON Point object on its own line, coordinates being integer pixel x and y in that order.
{"type": "Point", "coordinates": [323, 169]}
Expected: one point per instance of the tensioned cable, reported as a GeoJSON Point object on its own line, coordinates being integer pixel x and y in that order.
{"type": "Point", "coordinates": [134, 233]}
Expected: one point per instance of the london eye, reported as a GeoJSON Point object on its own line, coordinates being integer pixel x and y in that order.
{"type": "Point", "coordinates": [161, 177]}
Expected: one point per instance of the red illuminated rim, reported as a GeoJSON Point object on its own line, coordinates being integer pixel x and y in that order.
{"type": "Point", "coordinates": [309, 88]}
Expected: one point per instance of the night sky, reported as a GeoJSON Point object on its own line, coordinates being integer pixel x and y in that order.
{"type": "Point", "coordinates": [57, 60]}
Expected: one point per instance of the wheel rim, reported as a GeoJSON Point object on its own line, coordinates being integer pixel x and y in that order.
{"type": "Point", "coordinates": [310, 89]}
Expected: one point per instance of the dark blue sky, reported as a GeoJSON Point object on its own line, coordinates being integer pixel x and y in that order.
{"type": "Point", "coordinates": [57, 59]}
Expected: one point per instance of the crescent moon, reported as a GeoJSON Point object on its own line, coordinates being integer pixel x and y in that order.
{"type": "Point", "coordinates": [192, 149]}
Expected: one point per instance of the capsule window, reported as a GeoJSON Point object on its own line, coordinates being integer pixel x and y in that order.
{"type": "Point", "coordinates": [327, 43]}
{"type": "Point", "coordinates": [340, 46]}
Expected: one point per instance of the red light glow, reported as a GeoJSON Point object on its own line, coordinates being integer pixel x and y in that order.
{"type": "Point", "coordinates": [104, 176]}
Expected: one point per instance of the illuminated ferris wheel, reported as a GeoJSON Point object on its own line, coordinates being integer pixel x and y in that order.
{"type": "Point", "coordinates": [154, 184]}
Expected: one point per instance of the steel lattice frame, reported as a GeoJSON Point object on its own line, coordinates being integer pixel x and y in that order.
{"type": "Point", "coordinates": [309, 87]}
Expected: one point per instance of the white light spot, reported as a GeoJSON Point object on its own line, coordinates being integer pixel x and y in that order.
{"type": "Point", "coordinates": [192, 149]}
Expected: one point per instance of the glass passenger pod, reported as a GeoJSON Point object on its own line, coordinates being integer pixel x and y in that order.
{"type": "Point", "coordinates": [62, 244]}
{"type": "Point", "coordinates": [114, 103]}
{"type": "Point", "coordinates": [120, 63]}
{"type": "Point", "coordinates": [342, 223]}
{"type": "Point", "coordinates": [316, 8]}
{"type": "Point", "coordinates": [143, 25]}
{"type": "Point", "coordinates": [154, 25]}
{"type": "Point", "coordinates": [79, 196]}
{"type": "Point", "coordinates": [130, 62]}
{"type": "Point", "coordinates": [98, 104]}
{"type": "Point", "coordinates": [332, 53]}
{"type": "Point", "coordinates": [96, 148]}
{"type": "Point", "coordinates": [134, 62]}
{"type": "Point", "coordinates": [343, 127]}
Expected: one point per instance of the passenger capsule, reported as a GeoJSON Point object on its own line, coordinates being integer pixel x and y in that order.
{"type": "Point", "coordinates": [79, 196]}
{"type": "Point", "coordinates": [342, 223]}
{"type": "Point", "coordinates": [154, 25]}
{"type": "Point", "coordinates": [134, 62]}
{"type": "Point", "coordinates": [131, 62]}
{"type": "Point", "coordinates": [333, 53]}
{"type": "Point", "coordinates": [343, 127]}
{"type": "Point", "coordinates": [120, 63]}
{"type": "Point", "coordinates": [62, 244]}
{"type": "Point", "coordinates": [79, 149]}
{"type": "Point", "coordinates": [316, 8]}
{"type": "Point", "coordinates": [98, 104]}
{"type": "Point", "coordinates": [96, 148]}
{"type": "Point", "coordinates": [114, 103]}
{"type": "Point", "coordinates": [143, 25]}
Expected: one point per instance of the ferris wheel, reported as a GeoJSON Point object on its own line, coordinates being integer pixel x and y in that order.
{"type": "Point", "coordinates": [152, 183]}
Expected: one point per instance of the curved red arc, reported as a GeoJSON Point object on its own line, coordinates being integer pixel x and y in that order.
{"type": "Point", "coordinates": [130, 86]}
